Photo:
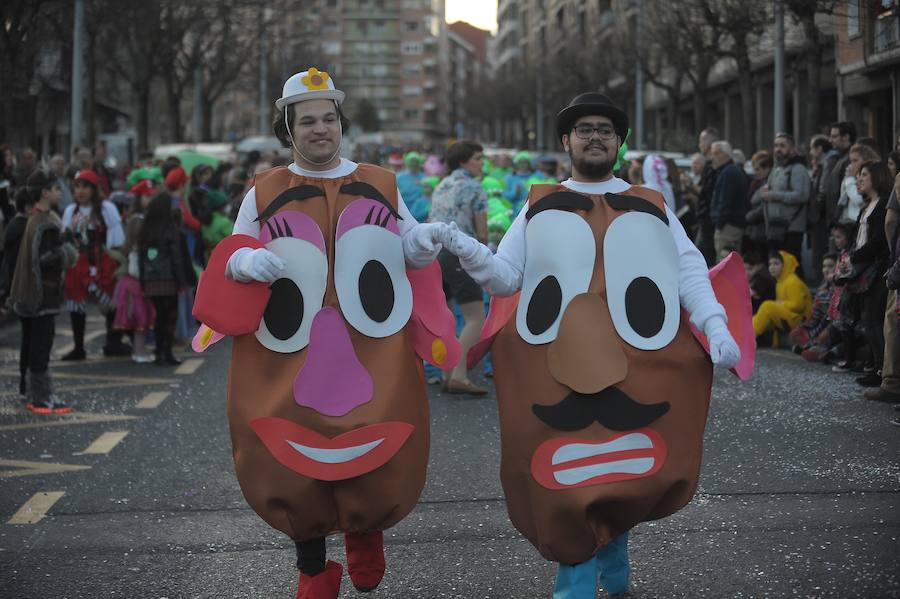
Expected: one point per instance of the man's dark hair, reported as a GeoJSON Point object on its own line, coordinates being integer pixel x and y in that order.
{"type": "Point", "coordinates": [787, 136]}
{"type": "Point", "coordinates": [37, 182]}
{"type": "Point", "coordinates": [895, 156]}
{"type": "Point", "coordinates": [170, 163]}
{"type": "Point", "coordinates": [462, 151]}
{"type": "Point", "coordinates": [821, 142]}
{"type": "Point", "coordinates": [23, 199]}
{"type": "Point", "coordinates": [281, 130]}
{"type": "Point", "coordinates": [830, 256]}
{"type": "Point", "coordinates": [845, 128]}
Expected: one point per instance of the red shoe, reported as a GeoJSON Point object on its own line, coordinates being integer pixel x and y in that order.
{"type": "Point", "coordinates": [39, 408]}
{"type": "Point", "coordinates": [324, 585]}
{"type": "Point", "coordinates": [365, 559]}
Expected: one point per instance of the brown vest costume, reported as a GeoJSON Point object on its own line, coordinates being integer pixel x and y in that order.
{"type": "Point", "coordinates": [597, 434]}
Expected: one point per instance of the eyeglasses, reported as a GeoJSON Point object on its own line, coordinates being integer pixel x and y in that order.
{"type": "Point", "coordinates": [586, 131]}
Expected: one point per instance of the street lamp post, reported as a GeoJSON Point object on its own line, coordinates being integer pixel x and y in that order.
{"type": "Point", "coordinates": [77, 69]}
{"type": "Point", "coordinates": [779, 67]}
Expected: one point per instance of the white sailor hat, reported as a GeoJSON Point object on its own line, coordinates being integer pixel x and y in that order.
{"type": "Point", "coordinates": [309, 85]}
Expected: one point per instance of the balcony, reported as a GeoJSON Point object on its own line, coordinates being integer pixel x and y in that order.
{"type": "Point", "coordinates": [886, 35]}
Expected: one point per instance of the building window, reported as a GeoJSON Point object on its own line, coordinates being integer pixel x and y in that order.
{"type": "Point", "coordinates": [412, 26]}
{"type": "Point", "coordinates": [332, 3]}
{"type": "Point", "coordinates": [412, 70]}
{"type": "Point", "coordinates": [412, 90]}
{"type": "Point", "coordinates": [412, 115]}
{"type": "Point", "coordinates": [853, 21]}
{"type": "Point", "coordinates": [331, 48]}
{"type": "Point", "coordinates": [582, 22]}
{"type": "Point", "coordinates": [379, 70]}
{"type": "Point", "coordinates": [411, 48]}
{"type": "Point", "coordinates": [330, 27]}
{"type": "Point", "coordinates": [561, 18]}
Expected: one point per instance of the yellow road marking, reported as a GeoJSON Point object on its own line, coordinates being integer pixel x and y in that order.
{"type": "Point", "coordinates": [24, 468]}
{"type": "Point", "coordinates": [99, 377]}
{"type": "Point", "coordinates": [36, 508]}
{"type": "Point", "coordinates": [153, 399]}
{"type": "Point", "coordinates": [75, 418]}
{"type": "Point", "coordinates": [105, 442]}
{"type": "Point", "coordinates": [189, 366]}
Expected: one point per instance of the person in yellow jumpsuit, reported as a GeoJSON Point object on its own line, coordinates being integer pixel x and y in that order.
{"type": "Point", "coordinates": [792, 303]}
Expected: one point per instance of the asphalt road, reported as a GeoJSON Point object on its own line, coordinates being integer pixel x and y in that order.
{"type": "Point", "coordinates": [799, 495]}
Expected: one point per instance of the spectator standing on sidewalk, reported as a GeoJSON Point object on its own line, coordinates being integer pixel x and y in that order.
{"type": "Point", "coordinates": [58, 172]}
{"type": "Point", "coordinates": [842, 136]}
{"type": "Point", "coordinates": [822, 158]}
{"type": "Point", "coordinates": [870, 257]}
{"type": "Point", "coordinates": [785, 197]}
{"type": "Point", "coordinates": [37, 291]}
{"type": "Point", "coordinates": [705, 229]}
{"type": "Point", "coordinates": [889, 390]}
{"type": "Point", "coordinates": [729, 201]}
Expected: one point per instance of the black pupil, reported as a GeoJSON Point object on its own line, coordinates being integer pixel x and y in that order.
{"type": "Point", "coordinates": [284, 312]}
{"type": "Point", "coordinates": [645, 307]}
{"type": "Point", "coordinates": [376, 291]}
{"type": "Point", "coordinates": [544, 305]}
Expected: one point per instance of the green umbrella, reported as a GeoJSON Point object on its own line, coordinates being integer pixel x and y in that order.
{"type": "Point", "coordinates": [190, 159]}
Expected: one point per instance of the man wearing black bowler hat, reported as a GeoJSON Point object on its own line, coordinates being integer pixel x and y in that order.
{"type": "Point", "coordinates": [604, 269]}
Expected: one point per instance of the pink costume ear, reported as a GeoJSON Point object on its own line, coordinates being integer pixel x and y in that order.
{"type": "Point", "coordinates": [498, 315]}
{"type": "Point", "coordinates": [229, 307]}
{"type": "Point", "coordinates": [729, 282]}
{"type": "Point", "coordinates": [204, 338]}
{"type": "Point", "coordinates": [432, 323]}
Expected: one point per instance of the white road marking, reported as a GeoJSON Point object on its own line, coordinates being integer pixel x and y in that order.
{"type": "Point", "coordinates": [69, 420]}
{"type": "Point", "coordinates": [24, 468]}
{"type": "Point", "coordinates": [106, 442]}
{"type": "Point", "coordinates": [152, 400]}
{"type": "Point", "coordinates": [189, 366]}
{"type": "Point", "coordinates": [36, 508]}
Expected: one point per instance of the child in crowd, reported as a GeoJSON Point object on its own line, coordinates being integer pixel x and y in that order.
{"type": "Point", "coordinates": [792, 301]}
{"type": "Point", "coordinates": [811, 338]}
{"type": "Point", "coordinates": [134, 312]}
{"type": "Point", "coordinates": [762, 284]}
{"type": "Point", "coordinates": [37, 290]}
{"type": "Point", "coordinates": [96, 226]}
{"type": "Point", "coordinates": [216, 226]}
{"type": "Point", "coordinates": [165, 269]}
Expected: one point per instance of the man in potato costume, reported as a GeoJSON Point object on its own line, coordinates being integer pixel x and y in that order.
{"type": "Point", "coordinates": [603, 386]}
{"type": "Point", "coordinates": [329, 289]}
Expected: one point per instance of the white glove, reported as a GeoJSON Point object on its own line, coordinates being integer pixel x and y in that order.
{"type": "Point", "coordinates": [432, 237]}
{"type": "Point", "coordinates": [722, 348]}
{"type": "Point", "coordinates": [475, 257]}
{"type": "Point", "coordinates": [247, 265]}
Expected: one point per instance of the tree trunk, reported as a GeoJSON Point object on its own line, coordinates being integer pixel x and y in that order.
{"type": "Point", "coordinates": [173, 102]}
{"type": "Point", "coordinates": [745, 88]}
{"type": "Point", "coordinates": [207, 108]}
{"type": "Point", "coordinates": [700, 105]}
{"type": "Point", "coordinates": [142, 94]}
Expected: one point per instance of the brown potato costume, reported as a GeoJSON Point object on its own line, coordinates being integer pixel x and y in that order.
{"type": "Point", "coordinates": [326, 397]}
{"type": "Point", "coordinates": [603, 388]}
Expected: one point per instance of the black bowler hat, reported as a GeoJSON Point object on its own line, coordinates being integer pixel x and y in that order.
{"type": "Point", "coordinates": [588, 104]}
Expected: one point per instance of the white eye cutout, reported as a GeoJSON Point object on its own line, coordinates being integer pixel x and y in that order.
{"type": "Point", "coordinates": [296, 296]}
{"type": "Point", "coordinates": [370, 280]}
{"type": "Point", "coordinates": [640, 260]}
{"type": "Point", "coordinates": [560, 251]}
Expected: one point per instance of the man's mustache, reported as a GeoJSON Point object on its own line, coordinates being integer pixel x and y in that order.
{"type": "Point", "coordinates": [612, 408]}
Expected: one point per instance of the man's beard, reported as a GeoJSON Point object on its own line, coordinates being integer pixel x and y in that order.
{"type": "Point", "coordinates": [592, 169]}
{"type": "Point", "coordinates": [780, 159]}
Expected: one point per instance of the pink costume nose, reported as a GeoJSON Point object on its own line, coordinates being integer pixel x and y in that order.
{"type": "Point", "coordinates": [332, 380]}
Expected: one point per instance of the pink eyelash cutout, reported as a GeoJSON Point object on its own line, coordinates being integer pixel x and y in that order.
{"type": "Point", "coordinates": [366, 212]}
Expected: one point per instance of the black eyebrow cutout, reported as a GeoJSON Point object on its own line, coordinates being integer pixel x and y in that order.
{"type": "Point", "coordinates": [301, 192]}
{"type": "Point", "coordinates": [635, 203]}
{"type": "Point", "coordinates": [361, 188]}
{"type": "Point", "coordinates": [561, 200]}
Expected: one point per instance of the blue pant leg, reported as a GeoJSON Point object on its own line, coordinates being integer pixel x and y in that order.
{"type": "Point", "coordinates": [614, 566]}
{"type": "Point", "coordinates": [576, 582]}
{"type": "Point", "coordinates": [488, 364]}
{"type": "Point", "coordinates": [431, 370]}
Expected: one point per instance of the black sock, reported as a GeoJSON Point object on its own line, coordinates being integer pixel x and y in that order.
{"type": "Point", "coordinates": [78, 323]}
{"type": "Point", "coordinates": [311, 556]}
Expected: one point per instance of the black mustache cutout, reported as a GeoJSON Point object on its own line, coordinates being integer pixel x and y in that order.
{"type": "Point", "coordinates": [301, 192]}
{"type": "Point", "coordinates": [611, 407]}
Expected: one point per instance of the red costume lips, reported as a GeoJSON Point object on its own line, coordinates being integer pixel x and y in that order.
{"type": "Point", "coordinates": [564, 463]}
{"type": "Point", "coordinates": [350, 454]}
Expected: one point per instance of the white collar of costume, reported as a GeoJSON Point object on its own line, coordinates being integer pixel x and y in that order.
{"type": "Point", "coordinates": [614, 185]}
{"type": "Point", "coordinates": [344, 168]}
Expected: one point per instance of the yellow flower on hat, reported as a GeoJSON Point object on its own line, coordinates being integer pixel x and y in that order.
{"type": "Point", "coordinates": [315, 79]}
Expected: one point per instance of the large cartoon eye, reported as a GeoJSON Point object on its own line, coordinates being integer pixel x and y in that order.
{"type": "Point", "coordinates": [370, 280]}
{"type": "Point", "coordinates": [560, 251]}
{"type": "Point", "coordinates": [296, 296]}
{"type": "Point", "coordinates": [640, 261]}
